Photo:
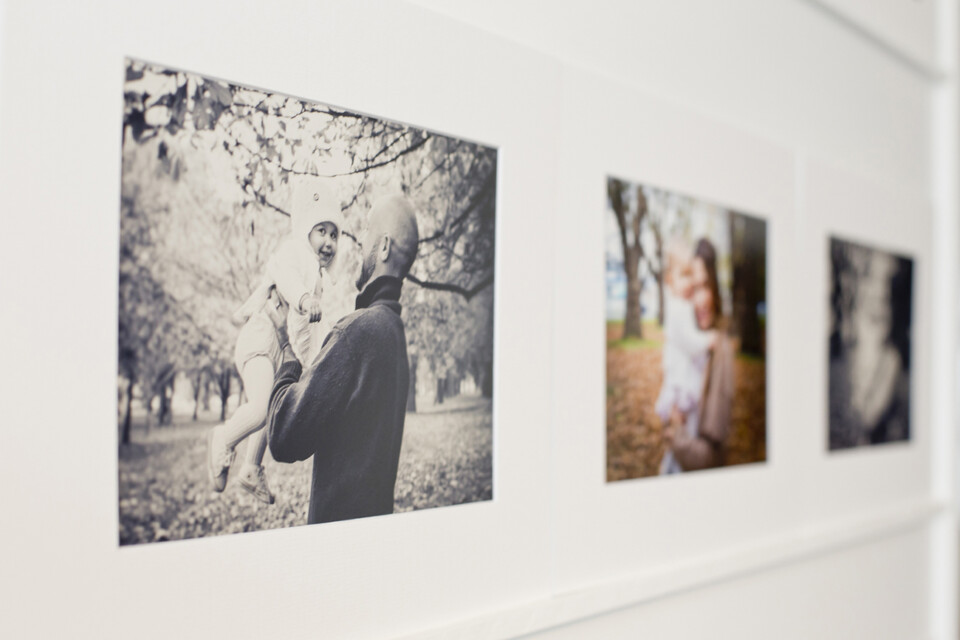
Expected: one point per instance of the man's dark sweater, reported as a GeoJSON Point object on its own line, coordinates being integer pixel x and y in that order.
{"type": "Point", "coordinates": [347, 409]}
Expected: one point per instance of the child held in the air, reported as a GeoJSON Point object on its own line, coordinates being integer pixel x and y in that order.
{"type": "Point", "coordinates": [686, 348]}
{"type": "Point", "coordinates": [295, 275]}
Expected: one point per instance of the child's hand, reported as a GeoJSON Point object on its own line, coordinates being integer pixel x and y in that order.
{"type": "Point", "coordinates": [310, 306]}
{"type": "Point", "coordinates": [674, 427]}
{"type": "Point", "coordinates": [712, 337]}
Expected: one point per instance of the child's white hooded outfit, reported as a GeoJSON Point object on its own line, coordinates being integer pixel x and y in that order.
{"type": "Point", "coordinates": [686, 352]}
{"type": "Point", "coordinates": [294, 268]}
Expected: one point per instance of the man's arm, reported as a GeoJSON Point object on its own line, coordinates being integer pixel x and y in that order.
{"type": "Point", "coordinates": [304, 403]}
{"type": "Point", "coordinates": [288, 374]}
{"type": "Point", "coordinates": [289, 371]}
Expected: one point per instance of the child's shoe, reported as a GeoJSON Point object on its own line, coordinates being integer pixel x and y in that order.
{"type": "Point", "coordinates": [254, 481]}
{"type": "Point", "coordinates": [219, 459]}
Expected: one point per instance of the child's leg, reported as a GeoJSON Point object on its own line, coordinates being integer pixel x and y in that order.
{"type": "Point", "coordinates": [257, 441]}
{"type": "Point", "coordinates": [258, 382]}
{"type": "Point", "coordinates": [257, 375]}
{"type": "Point", "coordinates": [256, 448]}
{"type": "Point", "coordinates": [255, 354]}
{"type": "Point", "coordinates": [251, 476]}
{"type": "Point", "coordinates": [667, 463]}
{"type": "Point", "coordinates": [254, 303]}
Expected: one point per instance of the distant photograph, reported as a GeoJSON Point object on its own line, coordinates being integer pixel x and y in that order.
{"type": "Point", "coordinates": [871, 315]}
{"type": "Point", "coordinates": [686, 314]}
{"type": "Point", "coordinates": [305, 312]}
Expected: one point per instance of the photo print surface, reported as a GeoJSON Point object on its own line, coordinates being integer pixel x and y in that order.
{"type": "Point", "coordinates": [871, 306]}
{"type": "Point", "coordinates": [305, 312]}
{"type": "Point", "coordinates": [686, 313]}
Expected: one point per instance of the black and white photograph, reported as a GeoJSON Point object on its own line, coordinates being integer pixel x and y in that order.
{"type": "Point", "coordinates": [871, 302]}
{"type": "Point", "coordinates": [305, 312]}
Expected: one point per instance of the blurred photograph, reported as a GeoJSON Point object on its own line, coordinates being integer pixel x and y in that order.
{"type": "Point", "coordinates": [871, 301]}
{"type": "Point", "coordinates": [686, 314]}
{"type": "Point", "coordinates": [305, 312]}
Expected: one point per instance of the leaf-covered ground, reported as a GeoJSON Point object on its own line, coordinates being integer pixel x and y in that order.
{"type": "Point", "coordinates": [164, 492]}
{"type": "Point", "coordinates": [635, 444]}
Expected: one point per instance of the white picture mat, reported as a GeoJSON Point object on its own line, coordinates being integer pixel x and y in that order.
{"type": "Point", "coordinates": [634, 525]}
{"type": "Point", "coordinates": [637, 526]}
{"type": "Point", "coordinates": [840, 204]}
{"type": "Point", "coordinates": [61, 171]}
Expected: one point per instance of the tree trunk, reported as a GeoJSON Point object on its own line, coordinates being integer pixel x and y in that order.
{"type": "Point", "coordinates": [162, 411]}
{"type": "Point", "coordinates": [166, 404]}
{"type": "Point", "coordinates": [224, 393]}
{"type": "Point", "coordinates": [736, 273]}
{"type": "Point", "coordinates": [660, 298]}
{"type": "Point", "coordinates": [486, 386]}
{"type": "Point", "coordinates": [125, 435]}
{"type": "Point", "coordinates": [206, 394]}
{"type": "Point", "coordinates": [631, 325]}
{"type": "Point", "coordinates": [149, 421]}
{"type": "Point", "coordinates": [629, 226]}
{"type": "Point", "coordinates": [172, 387]}
{"type": "Point", "coordinates": [412, 387]}
{"type": "Point", "coordinates": [439, 397]}
{"type": "Point", "coordinates": [749, 283]}
{"type": "Point", "coordinates": [656, 225]}
{"type": "Point", "coordinates": [197, 390]}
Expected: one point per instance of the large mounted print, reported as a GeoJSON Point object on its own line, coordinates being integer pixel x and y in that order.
{"type": "Point", "coordinates": [686, 314]}
{"type": "Point", "coordinates": [306, 312]}
{"type": "Point", "coordinates": [871, 309]}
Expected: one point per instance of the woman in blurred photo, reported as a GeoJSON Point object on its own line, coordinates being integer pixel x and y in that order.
{"type": "Point", "coordinates": [697, 441]}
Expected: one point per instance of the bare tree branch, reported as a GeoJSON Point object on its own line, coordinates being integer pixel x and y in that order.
{"type": "Point", "coordinates": [452, 288]}
{"type": "Point", "coordinates": [413, 147]}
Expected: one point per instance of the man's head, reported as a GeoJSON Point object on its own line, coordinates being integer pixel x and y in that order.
{"type": "Point", "coordinates": [390, 241]}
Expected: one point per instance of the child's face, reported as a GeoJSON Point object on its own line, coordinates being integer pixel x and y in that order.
{"type": "Point", "coordinates": [683, 282]}
{"type": "Point", "coordinates": [323, 239]}
{"type": "Point", "coordinates": [680, 276]}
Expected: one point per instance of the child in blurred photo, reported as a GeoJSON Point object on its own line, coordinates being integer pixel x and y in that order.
{"type": "Point", "coordinates": [294, 280]}
{"type": "Point", "coordinates": [685, 347]}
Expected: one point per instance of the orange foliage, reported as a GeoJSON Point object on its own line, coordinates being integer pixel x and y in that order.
{"type": "Point", "coordinates": [635, 443]}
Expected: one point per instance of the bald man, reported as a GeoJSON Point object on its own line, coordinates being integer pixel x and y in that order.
{"type": "Point", "coordinates": [347, 408]}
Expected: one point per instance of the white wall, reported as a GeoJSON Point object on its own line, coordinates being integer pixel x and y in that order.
{"type": "Point", "coordinates": [861, 96]}
{"type": "Point", "coordinates": [785, 70]}
{"type": "Point", "coordinates": [793, 109]}
{"type": "Point", "coordinates": [871, 590]}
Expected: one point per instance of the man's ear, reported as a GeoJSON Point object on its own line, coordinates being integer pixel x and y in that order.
{"type": "Point", "coordinates": [385, 246]}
